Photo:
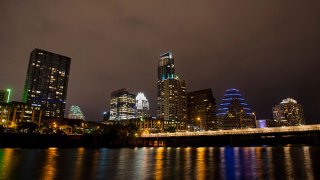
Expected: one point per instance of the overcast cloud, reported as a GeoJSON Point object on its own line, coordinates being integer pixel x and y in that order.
{"type": "Point", "coordinates": [269, 50]}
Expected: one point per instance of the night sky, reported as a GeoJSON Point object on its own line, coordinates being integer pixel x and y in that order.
{"type": "Point", "coordinates": [269, 50]}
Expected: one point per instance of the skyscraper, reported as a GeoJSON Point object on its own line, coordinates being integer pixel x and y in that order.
{"type": "Point", "coordinates": [172, 100]}
{"type": "Point", "coordinates": [122, 105]}
{"type": "Point", "coordinates": [288, 113]}
{"type": "Point", "coordinates": [234, 113]}
{"type": "Point", "coordinates": [142, 106]}
{"type": "Point", "coordinates": [75, 113]}
{"type": "Point", "coordinates": [202, 109]}
{"type": "Point", "coordinates": [5, 96]}
{"type": "Point", "coordinates": [47, 82]}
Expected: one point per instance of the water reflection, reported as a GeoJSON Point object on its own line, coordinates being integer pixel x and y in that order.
{"type": "Point", "coordinates": [269, 163]}
{"type": "Point", "coordinates": [49, 170]}
{"type": "Point", "coordinates": [187, 162]}
{"type": "Point", "coordinates": [78, 163]}
{"type": "Point", "coordinates": [308, 163]}
{"type": "Point", "coordinates": [201, 166]}
{"type": "Point", "coordinates": [288, 162]}
{"type": "Point", "coordinates": [222, 164]}
{"type": "Point", "coordinates": [161, 163]}
{"type": "Point", "coordinates": [6, 162]}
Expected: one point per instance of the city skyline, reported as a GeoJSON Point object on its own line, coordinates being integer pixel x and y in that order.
{"type": "Point", "coordinates": [267, 57]}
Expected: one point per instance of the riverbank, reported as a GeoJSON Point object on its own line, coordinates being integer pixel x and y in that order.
{"type": "Point", "coordinates": [34, 140]}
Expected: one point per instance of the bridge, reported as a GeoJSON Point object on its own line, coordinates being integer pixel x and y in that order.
{"type": "Point", "coordinates": [304, 134]}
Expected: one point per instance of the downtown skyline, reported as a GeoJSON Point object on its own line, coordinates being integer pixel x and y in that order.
{"type": "Point", "coordinates": [268, 58]}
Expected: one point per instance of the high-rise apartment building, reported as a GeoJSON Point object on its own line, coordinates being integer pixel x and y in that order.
{"type": "Point", "coordinates": [202, 110]}
{"type": "Point", "coordinates": [234, 113]}
{"type": "Point", "coordinates": [172, 99]}
{"type": "Point", "coordinates": [142, 106]}
{"type": "Point", "coordinates": [122, 105]}
{"type": "Point", "coordinates": [47, 82]}
{"type": "Point", "coordinates": [288, 113]}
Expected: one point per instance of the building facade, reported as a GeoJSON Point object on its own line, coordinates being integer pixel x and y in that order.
{"type": "Point", "coordinates": [172, 97]}
{"type": "Point", "coordinates": [75, 113]}
{"type": "Point", "coordinates": [122, 105]}
{"type": "Point", "coordinates": [288, 113]}
{"type": "Point", "coordinates": [13, 112]}
{"type": "Point", "coordinates": [202, 110]}
{"type": "Point", "coordinates": [47, 82]}
{"type": "Point", "coordinates": [4, 96]}
{"type": "Point", "coordinates": [234, 113]}
{"type": "Point", "coordinates": [142, 106]}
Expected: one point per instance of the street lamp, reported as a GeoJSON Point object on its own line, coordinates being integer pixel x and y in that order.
{"type": "Point", "coordinates": [199, 119]}
{"type": "Point", "coordinates": [255, 117]}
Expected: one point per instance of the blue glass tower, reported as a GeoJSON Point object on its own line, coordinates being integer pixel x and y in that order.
{"type": "Point", "coordinates": [234, 112]}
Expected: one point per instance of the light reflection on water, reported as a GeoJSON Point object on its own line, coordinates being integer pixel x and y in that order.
{"type": "Point", "coordinates": [49, 169]}
{"type": "Point", "coordinates": [161, 163]}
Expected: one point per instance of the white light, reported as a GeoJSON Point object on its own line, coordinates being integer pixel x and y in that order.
{"type": "Point", "coordinates": [142, 101]}
{"type": "Point", "coordinates": [288, 100]}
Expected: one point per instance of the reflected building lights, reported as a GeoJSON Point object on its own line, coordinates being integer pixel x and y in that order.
{"type": "Point", "coordinates": [6, 163]}
{"type": "Point", "coordinates": [258, 161]}
{"type": "Point", "coordinates": [308, 163]}
{"type": "Point", "coordinates": [95, 164]}
{"type": "Point", "coordinates": [270, 162]}
{"type": "Point", "coordinates": [288, 162]}
{"type": "Point", "coordinates": [78, 163]}
{"type": "Point", "coordinates": [236, 153]}
{"type": "Point", "coordinates": [222, 162]}
{"type": "Point", "coordinates": [201, 165]}
{"type": "Point", "coordinates": [49, 170]}
{"type": "Point", "coordinates": [188, 162]}
{"type": "Point", "coordinates": [159, 163]}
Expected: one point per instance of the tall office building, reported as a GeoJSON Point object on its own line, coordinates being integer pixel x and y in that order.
{"type": "Point", "coordinates": [142, 106]}
{"type": "Point", "coordinates": [288, 113]}
{"type": "Point", "coordinates": [202, 110]}
{"type": "Point", "coordinates": [172, 99]}
{"type": "Point", "coordinates": [234, 113]}
{"type": "Point", "coordinates": [122, 105]}
{"type": "Point", "coordinates": [47, 82]}
{"type": "Point", "coordinates": [75, 113]}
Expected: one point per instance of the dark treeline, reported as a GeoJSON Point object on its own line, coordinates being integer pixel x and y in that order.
{"type": "Point", "coordinates": [27, 136]}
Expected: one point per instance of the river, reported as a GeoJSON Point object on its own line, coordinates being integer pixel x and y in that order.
{"type": "Point", "coordinates": [287, 162]}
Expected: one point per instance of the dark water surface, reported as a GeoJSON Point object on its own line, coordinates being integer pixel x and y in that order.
{"type": "Point", "coordinates": [162, 163]}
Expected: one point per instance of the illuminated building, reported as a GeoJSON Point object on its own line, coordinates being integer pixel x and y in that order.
{"type": "Point", "coordinates": [142, 106]}
{"type": "Point", "coordinates": [202, 109]}
{"type": "Point", "coordinates": [234, 113]}
{"type": "Point", "coordinates": [288, 113]}
{"type": "Point", "coordinates": [122, 105]}
{"type": "Point", "coordinates": [262, 123]}
{"type": "Point", "coordinates": [5, 96]}
{"type": "Point", "coordinates": [172, 100]}
{"type": "Point", "coordinates": [75, 113]}
{"type": "Point", "coordinates": [47, 82]}
{"type": "Point", "coordinates": [19, 112]}
{"type": "Point", "coordinates": [105, 116]}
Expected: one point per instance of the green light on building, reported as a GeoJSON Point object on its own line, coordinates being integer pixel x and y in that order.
{"type": "Point", "coordinates": [9, 94]}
